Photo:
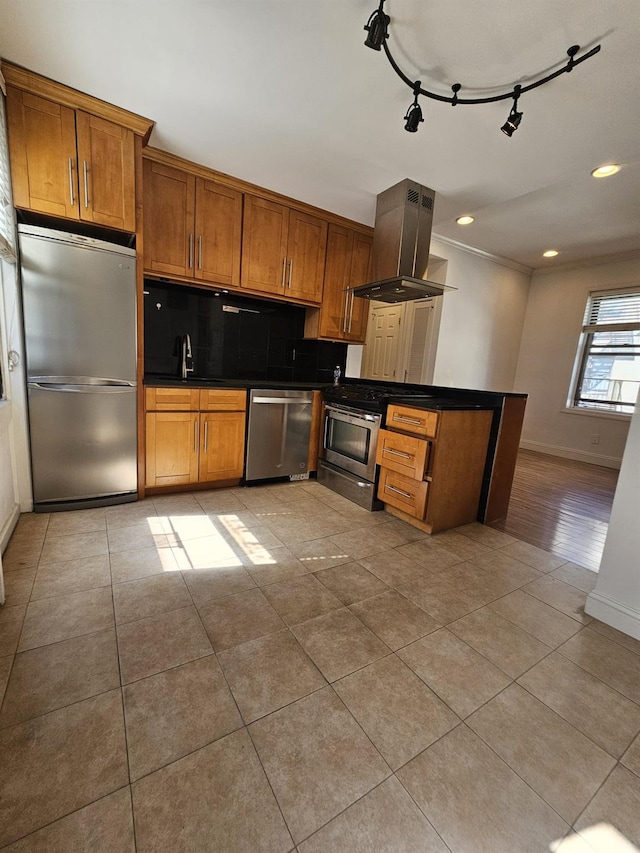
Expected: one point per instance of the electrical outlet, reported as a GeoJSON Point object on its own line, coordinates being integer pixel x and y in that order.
{"type": "Point", "coordinates": [595, 438]}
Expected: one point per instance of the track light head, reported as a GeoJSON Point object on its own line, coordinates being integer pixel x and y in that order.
{"type": "Point", "coordinates": [376, 28]}
{"type": "Point", "coordinates": [413, 117]}
{"type": "Point", "coordinates": [512, 123]}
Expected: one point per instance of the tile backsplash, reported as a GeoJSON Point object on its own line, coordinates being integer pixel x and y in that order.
{"type": "Point", "coordinates": [232, 337]}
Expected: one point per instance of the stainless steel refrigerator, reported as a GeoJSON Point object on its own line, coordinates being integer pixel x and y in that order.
{"type": "Point", "coordinates": [79, 307]}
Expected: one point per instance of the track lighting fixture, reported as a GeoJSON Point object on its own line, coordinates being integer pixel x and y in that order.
{"type": "Point", "coordinates": [377, 28]}
{"type": "Point", "coordinates": [513, 121]}
{"type": "Point", "coordinates": [413, 116]}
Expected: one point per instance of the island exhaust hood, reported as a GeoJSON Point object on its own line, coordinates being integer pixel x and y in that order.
{"type": "Point", "coordinates": [400, 252]}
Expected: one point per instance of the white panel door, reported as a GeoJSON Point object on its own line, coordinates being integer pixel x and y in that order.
{"type": "Point", "coordinates": [383, 339]}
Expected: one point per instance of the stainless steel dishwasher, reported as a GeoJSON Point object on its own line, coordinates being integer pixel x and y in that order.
{"type": "Point", "coordinates": [278, 435]}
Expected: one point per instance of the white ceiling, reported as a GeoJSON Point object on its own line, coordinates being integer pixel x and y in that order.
{"type": "Point", "coordinates": [283, 93]}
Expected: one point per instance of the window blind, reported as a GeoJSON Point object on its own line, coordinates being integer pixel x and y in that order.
{"type": "Point", "coordinates": [617, 311]}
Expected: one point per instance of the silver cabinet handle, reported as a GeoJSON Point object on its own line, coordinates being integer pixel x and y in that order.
{"type": "Point", "coordinates": [346, 304]}
{"type": "Point", "coordinates": [206, 435]}
{"type": "Point", "coordinates": [86, 183]}
{"type": "Point", "coordinates": [290, 272]}
{"type": "Point", "coordinates": [399, 492]}
{"type": "Point", "coordinates": [398, 453]}
{"type": "Point", "coordinates": [196, 437]}
{"type": "Point", "coordinates": [406, 420]}
{"type": "Point", "coordinates": [200, 252]}
{"type": "Point", "coordinates": [73, 198]}
{"type": "Point", "coordinates": [190, 251]}
{"type": "Point", "coordinates": [284, 270]}
{"type": "Point", "coordinates": [351, 309]}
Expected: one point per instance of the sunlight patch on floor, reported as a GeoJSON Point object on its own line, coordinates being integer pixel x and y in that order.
{"type": "Point", "coordinates": [188, 542]}
{"type": "Point", "coordinates": [246, 540]}
{"type": "Point", "coordinates": [599, 838]}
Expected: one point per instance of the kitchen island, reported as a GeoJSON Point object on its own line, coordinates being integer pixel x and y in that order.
{"type": "Point", "coordinates": [445, 456]}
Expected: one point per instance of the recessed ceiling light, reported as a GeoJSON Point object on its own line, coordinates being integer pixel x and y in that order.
{"type": "Point", "coordinates": [550, 253]}
{"type": "Point", "coordinates": [606, 170]}
{"type": "Point", "coordinates": [464, 220]}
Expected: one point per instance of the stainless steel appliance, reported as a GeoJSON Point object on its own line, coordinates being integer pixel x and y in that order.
{"type": "Point", "coordinates": [400, 250]}
{"type": "Point", "coordinates": [278, 433]}
{"type": "Point", "coordinates": [348, 464]}
{"type": "Point", "coordinates": [353, 417]}
{"type": "Point", "coordinates": [79, 305]}
{"type": "Point", "coordinates": [351, 440]}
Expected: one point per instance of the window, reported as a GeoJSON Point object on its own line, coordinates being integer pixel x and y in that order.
{"type": "Point", "coordinates": [609, 356]}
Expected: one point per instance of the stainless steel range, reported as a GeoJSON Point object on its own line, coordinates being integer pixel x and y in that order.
{"type": "Point", "coordinates": [353, 415]}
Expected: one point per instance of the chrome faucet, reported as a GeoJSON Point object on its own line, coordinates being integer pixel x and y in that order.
{"type": "Point", "coordinates": [187, 357]}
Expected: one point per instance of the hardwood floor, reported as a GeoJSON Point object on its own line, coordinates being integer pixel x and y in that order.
{"type": "Point", "coordinates": [561, 505]}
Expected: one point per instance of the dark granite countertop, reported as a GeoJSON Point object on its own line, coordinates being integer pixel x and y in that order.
{"type": "Point", "coordinates": [440, 403]}
{"type": "Point", "coordinates": [204, 382]}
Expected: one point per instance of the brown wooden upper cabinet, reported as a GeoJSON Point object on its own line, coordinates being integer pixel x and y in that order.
{"type": "Point", "coordinates": [342, 316]}
{"type": "Point", "coordinates": [192, 226]}
{"type": "Point", "coordinates": [68, 162]}
{"type": "Point", "coordinates": [283, 250]}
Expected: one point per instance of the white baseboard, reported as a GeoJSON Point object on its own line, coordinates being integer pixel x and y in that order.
{"type": "Point", "coordinates": [614, 613]}
{"type": "Point", "coordinates": [570, 453]}
{"type": "Point", "coordinates": [8, 527]}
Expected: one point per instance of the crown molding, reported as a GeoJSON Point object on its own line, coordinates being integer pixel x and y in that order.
{"type": "Point", "coordinates": [601, 260]}
{"type": "Point", "coordinates": [489, 256]}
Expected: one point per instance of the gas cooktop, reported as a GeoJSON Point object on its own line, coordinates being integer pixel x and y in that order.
{"type": "Point", "coordinates": [372, 398]}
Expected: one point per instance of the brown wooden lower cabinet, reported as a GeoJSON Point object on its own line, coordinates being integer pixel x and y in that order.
{"type": "Point", "coordinates": [184, 446]}
{"type": "Point", "coordinates": [432, 464]}
{"type": "Point", "coordinates": [221, 446]}
{"type": "Point", "coordinates": [172, 448]}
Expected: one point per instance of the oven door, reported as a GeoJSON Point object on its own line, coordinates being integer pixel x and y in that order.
{"type": "Point", "coordinates": [351, 440]}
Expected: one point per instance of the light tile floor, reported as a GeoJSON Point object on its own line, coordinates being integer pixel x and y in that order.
{"type": "Point", "coordinates": [272, 669]}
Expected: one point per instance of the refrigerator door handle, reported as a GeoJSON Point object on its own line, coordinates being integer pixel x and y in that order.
{"type": "Point", "coordinates": [80, 380]}
{"type": "Point", "coordinates": [80, 389]}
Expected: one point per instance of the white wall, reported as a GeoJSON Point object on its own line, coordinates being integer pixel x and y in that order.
{"type": "Point", "coordinates": [15, 487]}
{"type": "Point", "coordinates": [616, 597]}
{"type": "Point", "coordinates": [547, 356]}
{"type": "Point", "coordinates": [481, 322]}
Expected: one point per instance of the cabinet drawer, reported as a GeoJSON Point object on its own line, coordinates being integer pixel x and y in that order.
{"type": "Point", "coordinates": [223, 400]}
{"type": "Point", "coordinates": [403, 492]}
{"type": "Point", "coordinates": [403, 453]}
{"type": "Point", "coordinates": [416, 421]}
{"type": "Point", "coordinates": [171, 399]}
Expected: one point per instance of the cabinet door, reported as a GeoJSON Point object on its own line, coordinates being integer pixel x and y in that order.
{"type": "Point", "coordinates": [222, 446]}
{"type": "Point", "coordinates": [218, 233]}
{"type": "Point", "coordinates": [264, 245]}
{"type": "Point", "coordinates": [306, 251]}
{"type": "Point", "coordinates": [42, 148]}
{"type": "Point", "coordinates": [358, 274]}
{"type": "Point", "coordinates": [106, 167]}
{"type": "Point", "coordinates": [172, 448]}
{"type": "Point", "coordinates": [336, 278]}
{"type": "Point", "coordinates": [169, 202]}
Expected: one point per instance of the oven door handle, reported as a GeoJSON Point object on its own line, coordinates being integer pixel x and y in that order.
{"type": "Point", "coordinates": [349, 417]}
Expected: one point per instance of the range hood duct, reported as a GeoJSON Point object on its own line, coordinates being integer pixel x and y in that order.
{"type": "Point", "coordinates": [400, 252]}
